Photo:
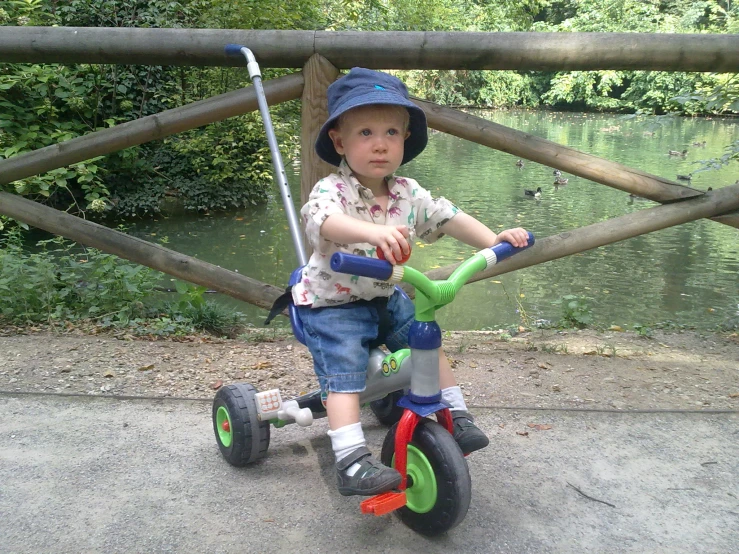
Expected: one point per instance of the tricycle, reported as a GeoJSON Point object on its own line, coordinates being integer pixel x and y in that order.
{"type": "Point", "coordinates": [402, 387]}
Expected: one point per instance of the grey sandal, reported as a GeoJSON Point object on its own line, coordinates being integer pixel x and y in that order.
{"type": "Point", "coordinates": [469, 437]}
{"type": "Point", "coordinates": [371, 478]}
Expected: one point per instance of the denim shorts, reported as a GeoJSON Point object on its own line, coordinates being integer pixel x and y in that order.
{"type": "Point", "coordinates": [338, 338]}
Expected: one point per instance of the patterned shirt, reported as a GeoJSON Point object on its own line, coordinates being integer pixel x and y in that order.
{"type": "Point", "coordinates": [341, 193]}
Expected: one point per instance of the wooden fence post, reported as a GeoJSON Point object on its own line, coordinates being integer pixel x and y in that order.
{"type": "Point", "coordinates": [318, 74]}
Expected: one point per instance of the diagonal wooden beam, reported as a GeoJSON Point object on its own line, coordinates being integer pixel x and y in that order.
{"type": "Point", "coordinates": [139, 251]}
{"type": "Point", "coordinates": [613, 230]}
{"type": "Point", "coordinates": [145, 129]}
{"type": "Point", "coordinates": [525, 145]}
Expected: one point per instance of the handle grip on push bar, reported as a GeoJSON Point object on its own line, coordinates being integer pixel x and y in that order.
{"type": "Point", "coordinates": [251, 62]}
{"type": "Point", "coordinates": [506, 249]}
{"type": "Point", "coordinates": [360, 265]}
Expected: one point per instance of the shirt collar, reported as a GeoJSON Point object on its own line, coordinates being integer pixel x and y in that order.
{"type": "Point", "coordinates": [345, 172]}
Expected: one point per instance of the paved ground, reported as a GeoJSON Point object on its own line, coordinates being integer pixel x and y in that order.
{"type": "Point", "coordinates": [103, 475]}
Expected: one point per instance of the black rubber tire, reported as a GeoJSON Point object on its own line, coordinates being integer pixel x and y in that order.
{"type": "Point", "coordinates": [250, 437]}
{"type": "Point", "coordinates": [386, 409]}
{"type": "Point", "coordinates": [454, 486]}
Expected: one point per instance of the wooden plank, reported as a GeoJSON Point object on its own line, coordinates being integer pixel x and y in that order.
{"type": "Point", "coordinates": [139, 251]}
{"type": "Point", "coordinates": [152, 127]}
{"type": "Point", "coordinates": [525, 145]}
{"type": "Point", "coordinates": [377, 50]}
{"type": "Point", "coordinates": [613, 230]}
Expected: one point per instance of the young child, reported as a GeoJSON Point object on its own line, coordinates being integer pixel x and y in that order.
{"type": "Point", "coordinates": [373, 128]}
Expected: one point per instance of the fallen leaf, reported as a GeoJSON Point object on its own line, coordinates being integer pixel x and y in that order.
{"type": "Point", "coordinates": [261, 365]}
{"type": "Point", "coordinates": [523, 433]}
{"type": "Point", "coordinates": [217, 385]}
{"type": "Point", "coordinates": [146, 367]}
{"type": "Point", "coordinates": [544, 365]}
{"type": "Point", "coordinates": [473, 364]}
{"type": "Point", "coordinates": [539, 426]}
{"type": "Point", "coordinates": [734, 395]}
{"type": "Point", "coordinates": [616, 328]}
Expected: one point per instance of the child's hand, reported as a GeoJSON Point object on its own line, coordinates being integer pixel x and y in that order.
{"type": "Point", "coordinates": [518, 237]}
{"type": "Point", "coordinates": [392, 241]}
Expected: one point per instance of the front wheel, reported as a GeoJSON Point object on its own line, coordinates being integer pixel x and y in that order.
{"type": "Point", "coordinates": [440, 488]}
{"type": "Point", "coordinates": [241, 437]}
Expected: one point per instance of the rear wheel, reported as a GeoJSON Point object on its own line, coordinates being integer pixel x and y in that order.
{"type": "Point", "coordinates": [440, 488]}
{"type": "Point", "coordinates": [241, 437]}
{"type": "Point", "coordinates": [386, 409]}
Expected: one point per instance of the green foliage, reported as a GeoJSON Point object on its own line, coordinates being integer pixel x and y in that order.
{"type": "Point", "coordinates": [207, 316]}
{"type": "Point", "coordinates": [57, 284]}
{"type": "Point", "coordinates": [61, 284]}
{"type": "Point", "coordinates": [190, 296]}
{"type": "Point", "coordinates": [576, 311]}
{"type": "Point", "coordinates": [645, 91]}
{"type": "Point", "coordinates": [472, 88]}
{"type": "Point", "coordinates": [220, 167]}
{"type": "Point", "coordinates": [644, 331]}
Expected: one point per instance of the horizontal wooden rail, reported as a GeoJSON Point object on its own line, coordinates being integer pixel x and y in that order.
{"type": "Point", "coordinates": [152, 127]}
{"type": "Point", "coordinates": [525, 145]}
{"type": "Point", "coordinates": [376, 50]}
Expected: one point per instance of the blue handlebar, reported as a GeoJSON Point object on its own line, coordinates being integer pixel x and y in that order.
{"type": "Point", "coordinates": [383, 270]}
{"type": "Point", "coordinates": [233, 49]}
{"type": "Point", "coordinates": [506, 250]}
{"type": "Point", "coordinates": [360, 265]}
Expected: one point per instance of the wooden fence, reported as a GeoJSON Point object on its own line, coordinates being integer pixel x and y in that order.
{"type": "Point", "coordinates": [321, 54]}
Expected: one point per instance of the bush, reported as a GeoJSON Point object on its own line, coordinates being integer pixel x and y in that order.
{"type": "Point", "coordinates": [58, 284]}
{"type": "Point", "coordinates": [61, 283]}
{"type": "Point", "coordinates": [575, 311]}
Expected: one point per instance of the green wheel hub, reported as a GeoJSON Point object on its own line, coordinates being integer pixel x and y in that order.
{"type": "Point", "coordinates": [225, 432]}
{"type": "Point", "coordinates": [421, 496]}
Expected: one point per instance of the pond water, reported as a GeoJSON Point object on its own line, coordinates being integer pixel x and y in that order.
{"type": "Point", "coordinates": [686, 275]}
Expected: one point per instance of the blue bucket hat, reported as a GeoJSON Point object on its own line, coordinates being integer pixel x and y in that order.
{"type": "Point", "coordinates": [364, 87]}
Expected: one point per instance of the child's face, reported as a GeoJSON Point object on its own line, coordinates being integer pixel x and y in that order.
{"type": "Point", "coordinates": [372, 139]}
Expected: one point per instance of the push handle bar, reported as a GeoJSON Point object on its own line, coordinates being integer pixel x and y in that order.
{"type": "Point", "coordinates": [233, 50]}
{"type": "Point", "coordinates": [383, 270]}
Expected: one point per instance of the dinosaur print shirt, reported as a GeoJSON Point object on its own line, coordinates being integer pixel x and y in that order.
{"type": "Point", "coordinates": [341, 193]}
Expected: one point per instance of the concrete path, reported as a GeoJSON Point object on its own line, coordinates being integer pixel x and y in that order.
{"type": "Point", "coordinates": [102, 475]}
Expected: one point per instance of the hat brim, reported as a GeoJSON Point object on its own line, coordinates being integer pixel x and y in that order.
{"type": "Point", "coordinates": [414, 144]}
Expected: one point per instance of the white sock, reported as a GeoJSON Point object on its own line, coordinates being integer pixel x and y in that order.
{"type": "Point", "coordinates": [346, 440]}
{"type": "Point", "coordinates": [453, 395]}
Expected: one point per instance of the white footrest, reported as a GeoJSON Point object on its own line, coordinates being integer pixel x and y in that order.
{"type": "Point", "coordinates": [271, 406]}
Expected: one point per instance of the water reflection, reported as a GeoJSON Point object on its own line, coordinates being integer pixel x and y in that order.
{"type": "Point", "coordinates": [687, 274]}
